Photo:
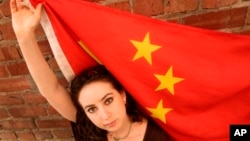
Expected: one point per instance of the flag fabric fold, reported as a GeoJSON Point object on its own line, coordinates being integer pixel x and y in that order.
{"type": "Point", "coordinates": [193, 82]}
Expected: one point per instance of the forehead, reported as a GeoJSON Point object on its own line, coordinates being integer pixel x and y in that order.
{"type": "Point", "coordinates": [94, 92]}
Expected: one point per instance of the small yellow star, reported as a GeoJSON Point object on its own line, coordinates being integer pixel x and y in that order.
{"type": "Point", "coordinates": [168, 81]}
{"type": "Point", "coordinates": [144, 49]}
{"type": "Point", "coordinates": [160, 112]}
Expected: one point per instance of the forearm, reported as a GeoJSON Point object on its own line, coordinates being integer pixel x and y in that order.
{"type": "Point", "coordinates": [42, 74]}
{"type": "Point", "coordinates": [44, 77]}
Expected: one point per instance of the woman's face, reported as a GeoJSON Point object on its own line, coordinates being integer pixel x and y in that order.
{"type": "Point", "coordinates": [104, 105]}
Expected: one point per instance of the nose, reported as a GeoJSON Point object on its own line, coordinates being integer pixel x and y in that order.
{"type": "Point", "coordinates": [104, 113]}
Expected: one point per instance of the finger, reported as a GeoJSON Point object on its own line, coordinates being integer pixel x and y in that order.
{"type": "Point", "coordinates": [19, 4]}
{"type": "Point", "coordinates": [38, 10]}
{"type": "Point", "coordinates": [13, 7]}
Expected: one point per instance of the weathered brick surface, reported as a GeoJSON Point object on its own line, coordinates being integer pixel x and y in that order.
{"type": "Point", "coordinates": [25, 113]}
{"type": "Point", "coordinates": [17, 68]}
{"type": "Point", "coordinates": [15, 84]}
{"type": "Point", "coordinates": [53, 123]}
{"type": "Point", "coordinates": [8, 136]}
{"type": "Point", "coordinates": [7, 32]}
{"type": "Point", "coordinates": [64, 134]}
{"type": "Point", "coordinates": [3, 72]}
{"type": "Point", "coordinates": [9, 54]}
{"type": "Point", "coordinates": [4, 6]}
{"type": "Point", "coordinates": [173, 6]}
{"type": "Point", "coordinates": [43, 135]}
{"type": "Point", "coordinates": [123, 5]}
{"type": "Point", "coordinates": [33, 98]}
{"type": "Point", "coordinates": [3, 113]}
{"type": "Point", "coordinates": [19, 125]}
{"type": "Point", "coordinates": [30, 111]}
{"type": "Point", "coordinates": [219, 19]}
{"type": "Point", "coordinates": [148, 7]}
{"type": "Point", "coordinates": [217, 3]}
{"type": "Point", "coordinates": [11, 99]}
{"type": "Point", "coordinates": [26, 135]}
{"type": "Point", "coordinates": [52, 111]}
{"type": "Point", "coordinates": [44, 47]}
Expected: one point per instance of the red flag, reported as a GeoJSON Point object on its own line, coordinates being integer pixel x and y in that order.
{"type": "Point", "coordinates": [193, 82]}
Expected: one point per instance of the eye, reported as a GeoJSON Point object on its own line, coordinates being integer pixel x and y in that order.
{"type": "Point", "coordinates": [109, 100]}
{"type": "Point", "coordinates": [91, 110]}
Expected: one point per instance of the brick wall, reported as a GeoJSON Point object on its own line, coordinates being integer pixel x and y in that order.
{"type": "Point", "coordinates": [25, 114]}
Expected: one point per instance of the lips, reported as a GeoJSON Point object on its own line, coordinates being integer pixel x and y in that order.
{"type": "Point", "coordinates": [110, 124]}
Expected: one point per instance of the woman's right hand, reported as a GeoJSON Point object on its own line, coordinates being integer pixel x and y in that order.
{"type": "Point", "coordinates": [24, 19]}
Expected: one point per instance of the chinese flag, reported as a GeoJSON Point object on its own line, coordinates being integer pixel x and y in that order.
{"type": "Point", "coordinates": [193, 82]}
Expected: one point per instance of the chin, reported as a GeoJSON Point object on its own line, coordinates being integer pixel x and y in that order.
{"type": "Point", "coordinates": [114, 126]}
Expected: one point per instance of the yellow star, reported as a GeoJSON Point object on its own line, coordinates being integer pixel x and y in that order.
{"type": "Point", "coordinates": [160, 112]}
{"type": "Point", "coordinates": [168, 81]}
{"type": "Point", "coordinates": [144, 49]}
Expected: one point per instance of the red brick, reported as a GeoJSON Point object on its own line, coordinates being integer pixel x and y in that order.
{"type": "Point", "coordinates": [1, 36]}
{"type": "Point", "coordinates": [18, 68]}
{"type": "Point", "coordinates": [39, 32]}
{"type": "Point", "coordinates": [218, 20]}
{"type": "Point", "coordinates": [53, 123]}
{"type": "Point", "coordinates": [3, 113]}
{"type": "Point", "coordinates": [31, 111]}
{"type": "Point", "coordinates": [64, 134]}
{"type": "Point", "coordinates": [148, 7]}
{"type": "Point", "coordinates": [10, 124]}
{"type": "Point", "coordinates": [52, 111]}
{"type": "Point", "coordinates": [15, 84]}
{"type": "Point", "coordinates": [3, 72]}
{"type": "Point", "coordinates": [45, 47]}
{"type": "Point", "coordinates": [248, 19]}
{"type": "Point", "coordinates": [33, 98]}
{"type": "Point", "coordinates": [5, 10]}
{"type": "Point", "coordinates": [26, 135]}
{"type": "Point", "coordinates": [2, 58]}
{"type": "Point", "coordinates": [174, 20]}
{"type": "Point", "coordinates": [174, 6]}
{"type": "Point", "coordinates": [43, 135]}
{"type": "Point", "coordinates": [11, 99]}
{"type": "Point", "coordinates": [123, 5]}
{"type": "Point", "coordinates": [245, 32]}
{"type": "Point", "coordinates": [8, 136]}
{"type": "Point", "coordinates": [7, 31]}
{"type": "Point", "coordinates": [53, 64]}
{"type": "Point", "coordinates": [63, 81]}
{"type": "Point", "coordinates": [217, 3]}
{"type": "Point", "coordinates": [9, 53]}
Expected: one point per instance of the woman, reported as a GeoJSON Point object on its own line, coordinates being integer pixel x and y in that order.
{"type": "Point", "coordinates": [103, 106]}
{"type": "Point", "coordinates": [99, 106]}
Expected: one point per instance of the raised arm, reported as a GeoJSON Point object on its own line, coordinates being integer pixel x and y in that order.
{"type": "Point", "coordinates": [25, 22]}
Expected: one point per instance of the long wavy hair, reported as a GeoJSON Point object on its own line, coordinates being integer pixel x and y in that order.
{"type": "Point", "coordinates": [83, 128]}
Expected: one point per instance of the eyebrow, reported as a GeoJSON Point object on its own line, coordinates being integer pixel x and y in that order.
{"type": "Point", "coordinates": [104, 97]}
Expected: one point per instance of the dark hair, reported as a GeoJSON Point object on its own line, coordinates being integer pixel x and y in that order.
{"type": "Point", "coordinates": [84, 129]}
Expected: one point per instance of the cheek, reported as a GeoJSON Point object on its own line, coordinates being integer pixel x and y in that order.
{"type": "Point", "coordinates": [94, 119]}
{"type": "Point", "coordinates": [119, 107]}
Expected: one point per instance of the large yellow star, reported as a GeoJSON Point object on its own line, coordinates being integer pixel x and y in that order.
{"type": "Point", "coordinates": [168, 81]}
{"type": "Point", "coordinates": [144, 49]}
{"type": "Point", "coordinates": [160, 112]}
